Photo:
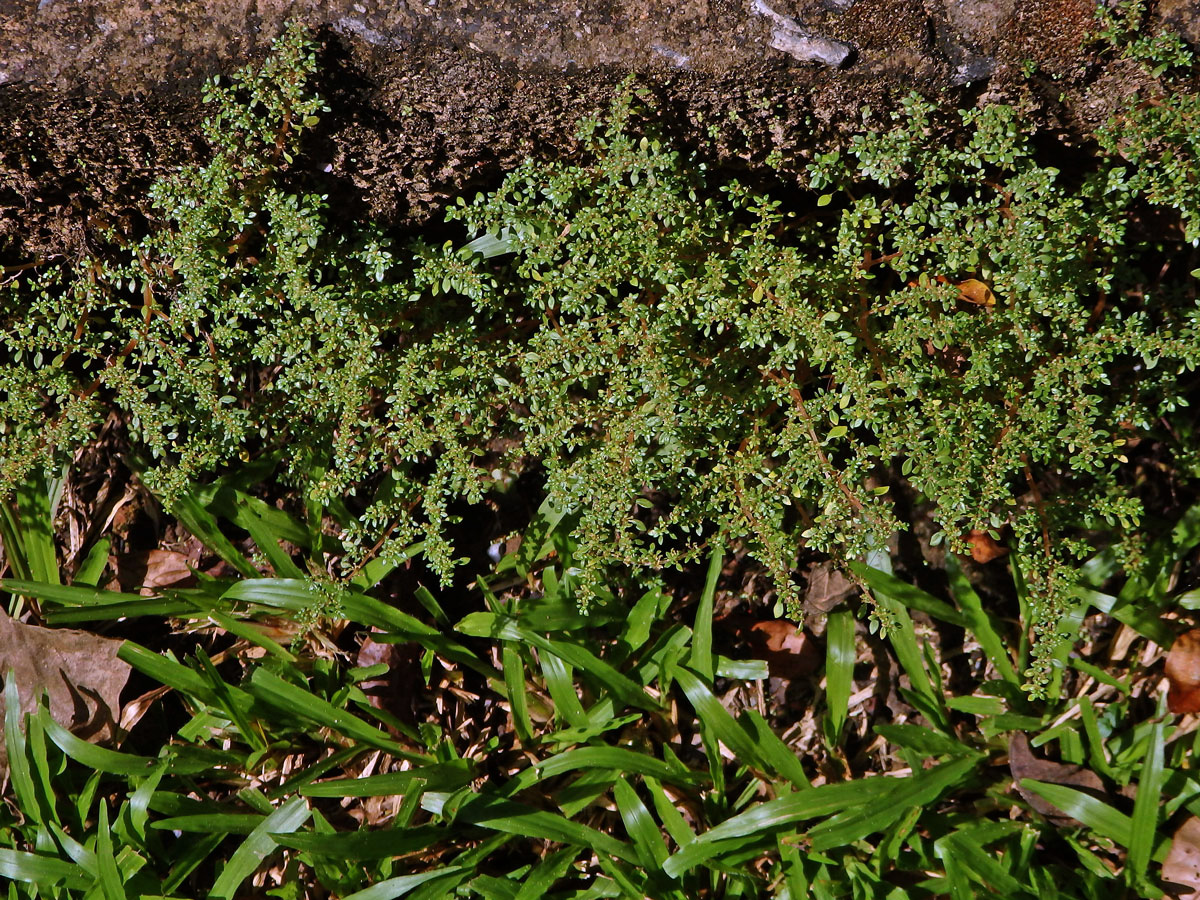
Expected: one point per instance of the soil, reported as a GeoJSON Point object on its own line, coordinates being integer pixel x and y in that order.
{"type": "Point", "coordinates": [432, 98]}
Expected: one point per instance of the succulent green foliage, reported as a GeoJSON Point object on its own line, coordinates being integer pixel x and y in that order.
{"type": "Point", "coordinates": [684, 357]}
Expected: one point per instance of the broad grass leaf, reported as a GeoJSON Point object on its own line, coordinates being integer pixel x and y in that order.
{"type": "Point", "coordinates": [257, 846]}
{"type": "Point", "coordinates": [640, 826]}
{"type": "Point", "coordinates": [839, 671]}
{"type": "Point", "coordinates": [391, 888]}
{"type": "Point", "coordinates": [366, 845]}
{"type": "Point", "coordinates": [274, 691]}
{"type": "Point", "coordinates": [702, 652]}
{"type": "Point", "coordinates": [99, 758]}
{"type": "Point", "coordinates": [448, 776]}
{"type": "Point", "coordinates": [1095, 814]}
{"type": "Point", "coordinates": [768, 818]}
{"type": "Point", "coordinates": [1024, 765]}
{"type": "Point", "coordinates": [46, 871]}
{"type": "Point", "coordinates": [917, 790]}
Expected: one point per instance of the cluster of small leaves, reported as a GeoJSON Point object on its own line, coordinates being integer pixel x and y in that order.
{"type": "Point", "coordinates": [239, 322]}
{"type": "Point", "coordinates": [683, 357]}
{"type": "Point", "coordinates": [1159, 132]}
{"type": "Point", "coordinates": [953, 308]}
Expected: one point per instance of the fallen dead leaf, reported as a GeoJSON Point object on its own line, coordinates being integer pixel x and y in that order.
{"type": "Point", "coordinates": [1183, 673]}
{"type": "Point", "coordinates": [78, 670]}
{"type": "Point", "coordinates": [985, 548]}
{"type": "Point", "coordinates": [789, 652]}
{"type": "Point", "coordinates": [394, 690]}
{"type": "Point", "coordinates": [1023, 764]}
{"type": "Point", "coordinates": [153, 570]}
{"type": "Point", "coordinates": [976, 292]}
{"type": "Point", "coordinates": [1181, 868]}
{"type": "Point", "coordinates": [827, 587]}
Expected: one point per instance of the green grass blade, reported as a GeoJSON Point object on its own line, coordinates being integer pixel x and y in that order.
{"type": "Point", "coordinates": [561, 688]}
{"type": "Point", "coordinates": [273, 690]}
{"type": "Point", "coordinates": [211, 823]}
{"type": "Point", "coordinates": [1146, 808]}
{"type": "Point", "coordinates": [367, 845]}
{"type": "Point", "coordinates": [111, 883]}
{"type": "Point", "coordinates": [44, 871]}
{"type": "Point", "coordinates": [777, 755]}
{"type": "Point", "coordinates": [980, 623]}
{"type": "Point", "coordinates": [973, 858]}
{"type": "Point", "coordinates": [392, 888]}
{"type": "Point", "coordinates": [235, 711]}
{"type": "Point", "coordinates": [449, 776]}
{"type": "Point", "coordinates": [839, 672]}
{"type": "Point", "coordinates": [94, 757]}
{"type": "Point", "coordinates": [160, 607]}
{"type": "Point", "coordinates": [514, 818]}
{"type": "Point", "coordinates": [19, 772]}
{"type": "Point", "coordinates": [908, 651]}
{"type": "Point", "coordinates": [165, 671]}
{"type": "Point", "coordinates": [427, 600]}
{"type": "Point", "coordinates": [535, 541]}
{"type": "Point", "coordinates": [514, 680]}
{"type": "Point", "coordinates": [917, 790]}
{"type": "Point", "coordinates": [257, 846]}
{"type": "Point", "coordinates": [1095, 814]}
{"type": "Point", "coordinates": [546, 873]}
{"type": "Point", "coordinates": [717, 721]}
{"type": "Point", "coordinates": [668, 813]}
{"type": "Point", "coordinates": [266, 540]}
{"type": "Point", "coordinates": [743, 669]}
{"type": "Point", "coordinates": [369, 611]}
{"type": "Point", "coordinates": [72, 595]}
{"type": "Point", "coordinates": [200, 522]}
{"type": "Point", "coordinates": [194, 853]}
{"type": "Point", "coordinates": [640, 826]}
{"type": "Point", "coordinates": [93, 564]}
{"type": "Point", "coordinates": [498, 627]}
{"type": "Point", "coordinates": [35, 510]}
{"type": "Point", "coordinates": [775, 815]}
{"type": "Point", "coordinates": [249, 633]}
{"type": "Point", "coordinates": [922, 740]}
{"type": "Point", "coordinates": [702, 652]}
{"type": "Point", "coordinates": [907, 594]}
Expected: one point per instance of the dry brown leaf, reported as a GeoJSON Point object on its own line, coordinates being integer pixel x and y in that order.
{"type": "Point", "coordinates": [976, 292]}
{"type": "Point", "coordinates": [1181, 868]}
{"type": "Point", "coordinates": [788, 652]}
{"type": "Point", "coordinates": [1023, 764]}
{"type": "Point", "coordinates": [79, 671]}
{"type": "Point", "coordinates": [394, 690]}
{"type": "Point", "coordinates": [827, 587]}
{"type": "Point", "coordinates": [985, 548]}
{"type": "Point", "coordinates": [1183, 673]}
{"type": "Point", "coordinates": [153, 570]}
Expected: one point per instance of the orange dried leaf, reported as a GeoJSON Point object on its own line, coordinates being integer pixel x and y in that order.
{"type": "Point", "coordinates": [985, 548]}
{"type": "Point", "coordinates": [1183, 673]}
{"type": "Point", "coordinates": [975, 291]}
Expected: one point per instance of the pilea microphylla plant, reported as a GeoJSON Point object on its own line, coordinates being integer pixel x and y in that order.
{"type": "Point", "coordinates": [683, 357]}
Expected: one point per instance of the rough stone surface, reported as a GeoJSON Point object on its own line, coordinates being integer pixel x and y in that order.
{"type": "Point", "coordinates": [431, 98]}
